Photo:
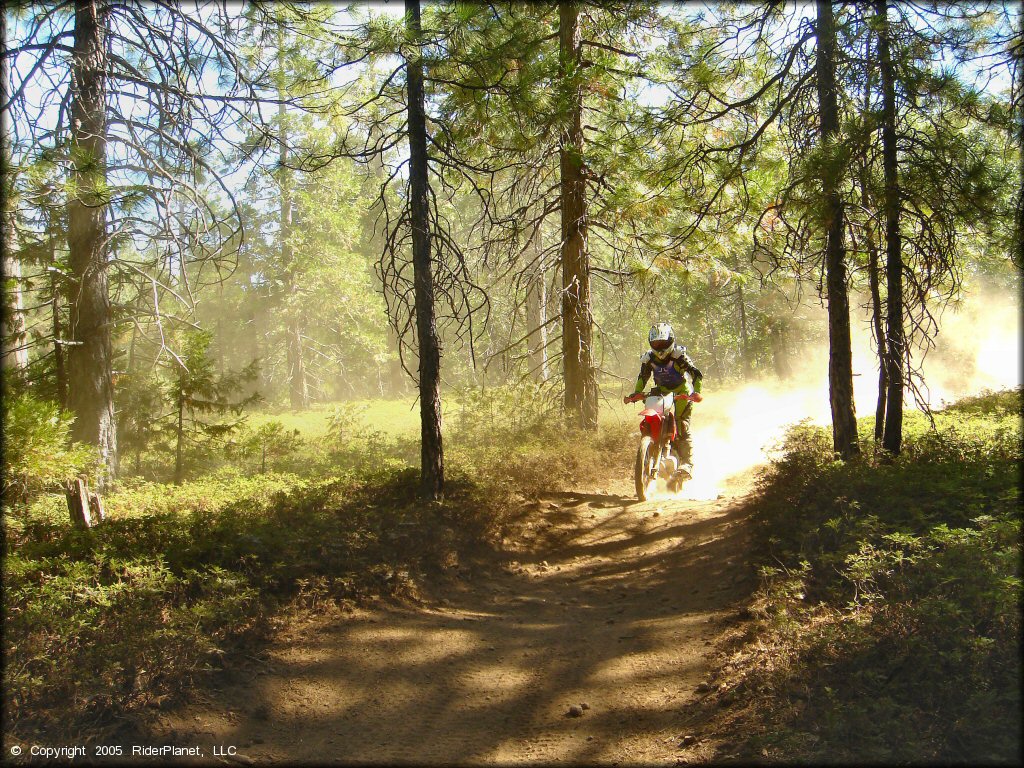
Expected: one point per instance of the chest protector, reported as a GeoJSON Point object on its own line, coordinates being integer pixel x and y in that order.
{"type": "Point", "coordinates": [666, 375]}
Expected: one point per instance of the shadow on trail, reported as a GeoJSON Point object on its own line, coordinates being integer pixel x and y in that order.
{"type": "Point", "coordinates": [614, 608]}
{"type": "Point", "coordinates": [593, 499]}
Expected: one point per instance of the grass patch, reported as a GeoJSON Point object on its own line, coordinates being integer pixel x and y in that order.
{"type": "Point", "coordinates": [889, 616]}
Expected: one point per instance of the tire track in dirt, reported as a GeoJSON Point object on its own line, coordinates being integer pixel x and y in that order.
{"type": "Point", "coordinates": [605, 603]}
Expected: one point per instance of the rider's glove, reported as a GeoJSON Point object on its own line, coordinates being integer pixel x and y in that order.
{"type": "Point", "coordinates": [632, 398]}
{"type": "Point", "coordinates": [696, 397]}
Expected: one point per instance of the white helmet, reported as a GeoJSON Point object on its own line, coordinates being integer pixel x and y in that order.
{"type": "Point", "coordinates": [661, 340]}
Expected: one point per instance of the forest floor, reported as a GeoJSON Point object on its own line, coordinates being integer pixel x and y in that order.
{"type": "Point", "coordinates": [584, 642]}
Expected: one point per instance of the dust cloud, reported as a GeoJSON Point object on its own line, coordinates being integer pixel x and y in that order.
{"type": "Point", "coordinates": [735, 429]}
{"type": "Point", "coordinates": [978, 348]}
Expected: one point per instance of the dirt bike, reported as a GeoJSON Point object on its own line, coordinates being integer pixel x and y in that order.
{"type": "Point", "coordinates": [654, 456]}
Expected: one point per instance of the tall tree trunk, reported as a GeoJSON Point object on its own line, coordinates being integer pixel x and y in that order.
{"type": "Point", "coordinates": [879, 334]}
{"type": "Point", "coordinates": [744, 334]}
{"type": "Point", "coordinates": [494, 368]}
{"type": "Point", "coordinates": [298, 389]}
{"type": "Point", "coordinates": [840, 361]}
{"type": "Point", "coordinates": [14, 354]}
{"type": "Point", "coordinates": [431, 449]}
{"type": "Point", "coordinates": [298, 385]}
{"type": "Point", "coordinates": [892, 437]}
{"type": "Point", "coordinates": [780, 357]}
{"type": "Point", "coordinates": [91, 391]}
{"type": "Point", "coordinates": [577, 321]}
{"type": "Point", "coordinates": [1017, 102]}
{"type": "Point", "coordinates": [255, 351]}
{"type": "Point", "coordinates": [179, 446]}
{"type": "Point", "coordinates": [871, 243]}
{"type": "Point", "coordinates": [220, 329]}
{"type": "Point", "coordinates": [60, 373]}
{"type": "Point", "coordinates": [536, 315]}
{"type": "Point", "coordinates": [715, 360]}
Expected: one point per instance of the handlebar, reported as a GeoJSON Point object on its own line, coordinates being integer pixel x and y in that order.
{"type": "Point", "coordinates": [693, 397]}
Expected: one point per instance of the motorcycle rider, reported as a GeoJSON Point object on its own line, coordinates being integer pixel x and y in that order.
{"type": "Point", "coordinates": [669, 362]}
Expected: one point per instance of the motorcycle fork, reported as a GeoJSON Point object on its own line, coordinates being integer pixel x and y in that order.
{"type": "Point", "coordinates": [669, 431]}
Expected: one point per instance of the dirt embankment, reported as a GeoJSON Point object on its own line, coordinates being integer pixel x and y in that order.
{"type": "Point", "coordinates": [582, 646]}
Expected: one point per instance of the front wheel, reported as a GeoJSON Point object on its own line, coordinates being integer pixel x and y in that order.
{"type": "Point", "coordinates": [645, 471]}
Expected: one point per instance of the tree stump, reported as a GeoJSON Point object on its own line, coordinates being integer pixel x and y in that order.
{"type": "Point", "coordinates": [85, 508]}
{"type": "Point", "coordinates": [96, 508]}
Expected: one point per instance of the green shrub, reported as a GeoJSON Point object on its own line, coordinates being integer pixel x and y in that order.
{"type": "Point", "coordinates": [346, 421]}
{"type": "Point", "coordinates": [505, 413]}
{"type": "Point", "coordinates": [268, 446]}
{"type": "Point", "coordinates": [894, 596]}
{"type": "Point", "coordinates": [95, 637]}
{"type": "Point", "coordinates": [138, 396]}
{"type": "Point", "coordinates": [38, 453]}
{"type": "Point", "coordinates": [818, 508]}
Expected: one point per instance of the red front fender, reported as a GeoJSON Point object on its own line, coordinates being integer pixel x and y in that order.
{"type": "Point", "coordinates": [651, 424]}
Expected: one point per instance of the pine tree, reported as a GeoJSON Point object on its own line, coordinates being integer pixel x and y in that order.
{"type": "Point", "coordinates": [200, 398]}
{"type": "Point", "coordinates": [90, 356]}
{"type": "Point", "coordinates": [431, 446]}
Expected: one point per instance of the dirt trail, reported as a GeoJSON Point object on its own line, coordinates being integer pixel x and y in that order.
{"type": "Point", "coordinates": [607, 603]}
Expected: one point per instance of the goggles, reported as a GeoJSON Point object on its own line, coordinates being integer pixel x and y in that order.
{"type": "Point", "coordinates": [660, 345]}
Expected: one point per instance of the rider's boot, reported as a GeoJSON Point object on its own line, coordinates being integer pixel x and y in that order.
{"type": "Point", "coordinates": [684, 471]}
{"type": "Point", "coordinates": [685, 465]}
